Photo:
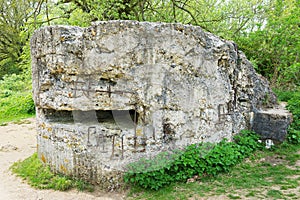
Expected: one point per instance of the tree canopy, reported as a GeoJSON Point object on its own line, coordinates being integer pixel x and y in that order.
{"type": "Point", "coordinates": [266, 30]}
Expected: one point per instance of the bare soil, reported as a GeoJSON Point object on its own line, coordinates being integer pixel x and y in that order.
{"type": "Point", "coordinates": [17, 142]}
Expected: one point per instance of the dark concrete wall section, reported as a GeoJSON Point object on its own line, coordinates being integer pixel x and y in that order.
{"type": "Point", "coordinates": [272, 124]}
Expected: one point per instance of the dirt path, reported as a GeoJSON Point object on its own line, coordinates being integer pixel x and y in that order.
{"type": "Point", "coordinates": [19, 142]}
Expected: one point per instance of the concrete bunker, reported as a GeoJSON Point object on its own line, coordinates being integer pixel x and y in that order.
{"type": "Point", "coordinates": [118, 91]}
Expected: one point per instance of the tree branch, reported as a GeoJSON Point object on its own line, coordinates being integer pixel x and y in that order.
{"type": "Point", "coordinates": [187, 11]}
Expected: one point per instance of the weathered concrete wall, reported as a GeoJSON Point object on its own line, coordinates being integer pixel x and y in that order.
{"type": "Point", "coordinates": [180, 85]}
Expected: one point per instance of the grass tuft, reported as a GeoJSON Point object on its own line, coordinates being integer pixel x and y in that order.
{"type": "Point", "coordinates": [40, 176]}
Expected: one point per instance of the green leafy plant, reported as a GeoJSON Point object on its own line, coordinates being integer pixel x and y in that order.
{"type": "Point", "coordinates": [16, 97]}
{"type": "Point", "coordinates": [197, 159]}
{"type": "Point", "coordinates": [293, 99]}
{"type": "Point", "coordinates": [294, 130]}
{"type": "Point", "coordinates": [252, 178]}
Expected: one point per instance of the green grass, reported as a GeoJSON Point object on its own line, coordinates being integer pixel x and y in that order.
{"type": "Point", "coordinates": [256, 177]}
{"type": "Point", "coordinates": [38, 175]}
{"type": "Point", "coordinates": [276, 194]}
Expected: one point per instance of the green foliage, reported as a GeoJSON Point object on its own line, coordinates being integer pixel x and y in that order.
{"type": "Point", "coordinates": [225, 18]}
{"type": "Point", "coordinates": [15, 97]}
{"type": "Point", "coordinates": [253, 178]}
{"type": "Point", "coordinates": [284, 95]}
{"type": "Point", "coordinates": [290, 75]}
{"type": "Point", "coordinates": [266, 30]}
{"type": "Point", "coordinates": [294, 129]}
{"type": "Point", "coordinates": [275, 46]}
{"type": "Point", "coordinates": [13, 83]}
{"type": "Point", "coordinates": [16, 106]}
{"type": "Point", "coordinates": [197, 159]}
{"type": "Point", "coordinates": [13, 17]}
{"type": "Point", "coordinates": [39, 176]}
{"type": "Point", "coordinates": [293, 100]}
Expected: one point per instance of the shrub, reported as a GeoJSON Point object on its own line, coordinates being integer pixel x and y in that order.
{"type": "Point", "coordinates": [15, 97]}
{"type": "Point", "coordinates": [293, 99]}
{"type": "Point", "coordinates": [15, 82]}
{"type": "Point", "coordinates": [294, 129]}
{"type": "Point", "coordinates": [17, 104]}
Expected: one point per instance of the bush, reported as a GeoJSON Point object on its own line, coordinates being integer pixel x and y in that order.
{"type": "Point", "coordinates": [196, 159]}
{"type": "Point", "coordinates": [15, 82]}
{"type": "Point", "coordinates": [18, 104]}
{"type": "Point", "coordinates": [294, 129]}
{"type": "Point", "coordinates": [290, 77]}
{"type": "Point", "coordinates": [16, 97]}
{"type": "Point", "coordinates": [284, 95]}
{"type": "Point", "coordinates": [293, 100]}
